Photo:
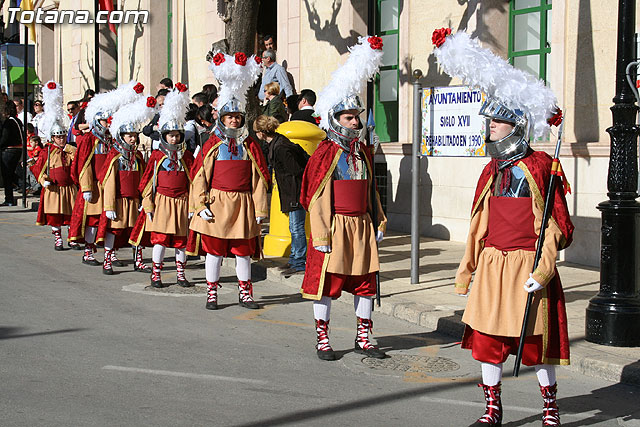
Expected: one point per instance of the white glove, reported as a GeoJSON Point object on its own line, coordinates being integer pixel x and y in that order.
{"type": "Point", "coordinates": [87, 195]}
{"type": "Point", "coordinates": [46, 184]}
{"type": "Point", "coordinates": [260, 219]}
{"type": "Point", "coordinates": [111, 215]}
{"type": "Point", "coordinates": [326, 249]}
{"type": "Point", "coordinates": [190, 215]}
{"type": "Point", "coordinates": [379, 236]}
{"type": "Point", "coordinates": [140, 208]}
{"type": "Point", "coordinates": [206, 214]}
{"type": "Point", "coordinates": [532, 284]}
{"type": "Point", "coordinates": [150, 216]}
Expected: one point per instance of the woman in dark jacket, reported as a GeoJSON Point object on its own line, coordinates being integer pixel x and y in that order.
{"type": "Point", "coordinates": [288, 161]}
{"type": "Point", "coordinates": [11, 151]}
{"type": "Point", "coordinates": [275, 107]}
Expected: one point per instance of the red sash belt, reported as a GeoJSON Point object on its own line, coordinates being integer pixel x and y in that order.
{"type": "Point", "coordinates": [96, 163]}
{"type": "Point", "coordinates": [172, 183]}
{"type": "Point", "coordinates": [511, 224]}
{"type": "Point", "coordinates": [61, 176]}
{"type": "Point", "coordinates": [127, 185]}
{"type": "Point", "coordinates": [232, 175]}
{"type": "Point", "coordinates": [350, 196]}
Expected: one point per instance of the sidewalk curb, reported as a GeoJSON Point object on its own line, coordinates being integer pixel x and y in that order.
{"type": "Point", "coordinates": [592, 360]}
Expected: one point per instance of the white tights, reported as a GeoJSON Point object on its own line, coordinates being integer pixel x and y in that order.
{"type": "Point", "coordinates": [158, 254]}
{"type": "Point", "coordinates": [492, 374]}
{"type": "Point", "coordinates": [212, 268]}
{"type": "Point", "coordinates": [362, 305]}
{"type": "Point", "coordinates": [90, 235]}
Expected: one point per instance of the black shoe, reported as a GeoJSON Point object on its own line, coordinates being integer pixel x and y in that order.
{"type": "Point", "coordinates": [147, 269]}
{"type": "Point", "coordinates": [75, 246]}
{"type": "Point", "coordinates": [252, 305]}
{"type": "Point", "coordinates": [107, 271]}
{"type": "Point", "coordinates": [90, 261]}
{"type": "Point", "coordinates": [374, 352]}
{"type": "Point", "coordinates": [212, 305]}
{"type": "Point", "coordinates": [185, 283]}
{"type": "Point", "coordinates": [58, 248]}
{"type": "Point", "coordinates": [118, 263]}
{"type": "Point", "coordinates": [326, 355]}
{"type": "Point", "coordinates": [157, 284]}
{"type": "Point", "coordinates": [8, 204]}
{"type": "Point", "coordinates": [291, 272]}
{"type": "Point", "coordinates": [284, 267]}
{"type": "Point", "coordinates": [193, 257]}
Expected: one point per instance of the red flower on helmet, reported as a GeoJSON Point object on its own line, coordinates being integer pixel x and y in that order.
{"type": "Point", "coordinates": [439, 36]}
{"type": "Point", "coordinates": [51, 85]}
{"type": "Point", "coordinates": [151, 102]}
{"type": "Point", "coordinates": [258, 59]}
{"type": "Point", "coordinates": [138, 88]}
{"type": "Point", "coordinates": [218, 58]}
{"type": "Point", "coordinates": [375, 43]}
{"type": "Point", "coordinates": [556, 119]}
{"type": "Point", "coordinates": [109, 120]}
{"type": "Point", "coordinates": [241, 58]}
{"type": "Point", "coordinates": [181, 87]}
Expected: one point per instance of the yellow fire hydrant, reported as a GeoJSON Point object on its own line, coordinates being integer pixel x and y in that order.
{"type": "Point", "coordinates": [278, 241]}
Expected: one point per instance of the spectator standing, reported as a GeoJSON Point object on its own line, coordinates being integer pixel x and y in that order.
{"type": "Point", "coordinates": [151, 130]}
{"type": "Point", "coordinates": [38, 109]}
{"type": "Point", "coordinates": [211, 91]}
{"type": "Point", "coordinates": [10, 151]}
{"type": "Point", "coordinates": [81, 126]}
{"type": "Point", "coordinates": [288, 161]}
{"type": "Point", "coordinates": [73, 108]}
{"type": "Point", "coordinates": [306, 101]}
{"type": "Point", "coordinates": [200, 99]}
{"type": "Point", "coordinates": [190, 129]}
{"type": "Point", "coordinates": [274, 108]}
{"type": "Point", "coordinates": [20, 110]}
{"type": "Point", "coordinates": [165, 84]}
{"type": "Point", "coordinates": [273, 72]}
{"type": "Point", "coordinates": [269, 42]}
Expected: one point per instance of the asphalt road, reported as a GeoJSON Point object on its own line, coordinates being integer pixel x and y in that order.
{"type": "Point", "coordinates": [81, 349]}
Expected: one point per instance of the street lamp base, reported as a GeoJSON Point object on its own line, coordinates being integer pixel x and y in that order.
{"type": "Point", "coordinates": [613, 321]}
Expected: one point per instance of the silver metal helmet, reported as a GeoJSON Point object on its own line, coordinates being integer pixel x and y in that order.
{"type": "Point", "coordinates": [125, 148]}
{"type": "Point", "coordinates": [515, 145]}
{"type": "Point", "coordinates": [97, 128]}
{"type": "Point", "coordinates": [223, 132]}
{"type": "Point", "coordinates": [172, 149]}
{"type": "Point", "coordinates": [340, 134]}
{"type": "Point", "coordinates": [58, 129]}
{"type": "Point", "coordinates": [231, 106]}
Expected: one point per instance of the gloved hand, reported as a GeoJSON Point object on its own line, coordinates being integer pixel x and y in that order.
{"type": "Point", "coordinates": [45, 184]}
{"type": "Point", "coordinates": [190, 215]}
{"type": "Point", "coordinates": [532, 284]}
{"type": "Point", "coordinates": [260, 219]}
{"type": "Point", "coordinates": [111, 215]}
{"type": "Point", "coordinates": [150, 216]}
{"type": "Point", "coordinates": [140, 208]}
{"type": "Point", "coordinates": [206, 214]}
{"type": "Point", "coordinates": [326, 249]}
{"type": "Point", "coordinates": [87, 195]}
{"type": "Point", "coordinates": [379, 236]}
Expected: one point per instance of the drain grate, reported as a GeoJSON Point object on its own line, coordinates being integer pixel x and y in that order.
{"type": "Point", "coordinates": [175, 289]}
{"type": "Point", "coordinates": [409, 363]}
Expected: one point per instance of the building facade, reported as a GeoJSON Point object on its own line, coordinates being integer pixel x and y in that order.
{"type": "Point", "coordinates": [569, 44]}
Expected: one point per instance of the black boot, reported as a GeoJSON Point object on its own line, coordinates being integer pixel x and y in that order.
{"type": "Point", "coordinates": [245, 295]}
{"type": "Point", "coordinates": [362, 343]}
{"type": "Point", "coordinates": [212, 295]}
{"type": "Point", "coordinates": [323, 348]}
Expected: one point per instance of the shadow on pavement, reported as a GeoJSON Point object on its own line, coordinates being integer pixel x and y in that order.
{"type": "Point", "coordinates": [11, 332]}
{"type": "Point", "coordinates": [411, 341]}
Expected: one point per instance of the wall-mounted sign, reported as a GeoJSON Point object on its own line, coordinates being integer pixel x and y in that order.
{"type": "Point", "coordinates": [451, 125]}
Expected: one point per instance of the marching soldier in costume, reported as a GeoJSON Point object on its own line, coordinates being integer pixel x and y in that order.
{"type": "Point", "coordinates": [230, 181]}
{"type": "Point", "coordinates": [53, 167]}
{"type": "Point", "coordinates": [165, 189]}
{"type": "Point", "coordinates": [93, 148]}
{"type": "Point", "coordinates": [343, 254]}
{"type": "Point", "coordinates": [505, 224]}
{"type": "Point", "coordinates": [120, 178]}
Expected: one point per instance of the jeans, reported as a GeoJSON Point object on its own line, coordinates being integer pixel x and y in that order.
{"type": "Point", "coordinates": [298, 257]}
{"type": "Point", "coordinates": [10, 160]}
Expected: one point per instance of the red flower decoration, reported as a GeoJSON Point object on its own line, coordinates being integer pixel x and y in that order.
{"type": "Point", "coordinates": [258, 59]}
{"type": "Point", "coordinates": [51, 85]}
{"type": "Point", "coordinates": [638, 84]}
{"type": "Point", "coordinates": [556, 119]}
{"type": "Point", "coordinates": [375, 43]}
{"type": "Point", "coordinates": [151, 102]}
{"type": "Point", "coordinates": [439, 36]}
{"type": "Point", "coordinates": [241, 58]}
{"type": "Point", "coordinates": [181, 87]}
{"type": "Point", "coordinates": [218, 58]}
{"type": "Point", "coordinates": [138, 88]}
{"type": "Point", "coordinates": [109, 120]}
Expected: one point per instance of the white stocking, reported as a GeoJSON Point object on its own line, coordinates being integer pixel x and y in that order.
{"type": "Point", "coordinates": [109, 240]}
{"type": "Point", "coordinates": [546, 374]}
{"type": "Point", "coordinates": [322, 309]}
{"type": "Point", "coordinates": [363, 306]}
{"type": "Point", "coordinates": [55, 228]}
{"type": "Point", "coordinates": [243, 268]}
{"type": "Point", "coordinates": [90, 234]}
{"type": "Point", "coordinates": [158, 254]}
{"type": "Point", "coordinates": [212, 265]}
{"type": "Point", "coordinates": [491, 373]}
{"type": "Point", "coordinates": [181, 254]}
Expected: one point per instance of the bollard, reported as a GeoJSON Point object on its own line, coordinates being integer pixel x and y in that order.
{"type": "Point", "coordinates": [415, 178]}
{"type": "Point", "coordinates": [278, 241]}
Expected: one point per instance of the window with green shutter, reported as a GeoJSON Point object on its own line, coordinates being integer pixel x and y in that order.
{"type": "Point", "coordinates": [530, 36]}
{"type": "Point", "coordinates": [386, 83]}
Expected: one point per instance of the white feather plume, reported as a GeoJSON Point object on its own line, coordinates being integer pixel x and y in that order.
{"type": "Point", "coordinates": [109, 102]}
{"type": "Point", "coordinates": [463, 57]}
{"type": "Point", "coordinates": [235, 79]}
{"type": "Point", "coordinates": [349, 79]}
{"type": "Point", "coordinates": [175, 108]}
{"type": "Point", "coordinates": [134, 113]}
{"type": "Point", "coordinates": [53, 108]}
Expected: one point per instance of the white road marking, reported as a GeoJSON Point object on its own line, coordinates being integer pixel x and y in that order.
{"type": "Point", "coordinates": [183, 375]}
{"type": "Point", "coordinates": [583, 415]}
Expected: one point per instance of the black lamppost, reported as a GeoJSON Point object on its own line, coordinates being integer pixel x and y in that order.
{"type": "Point", "coordinates": [613, 316]}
